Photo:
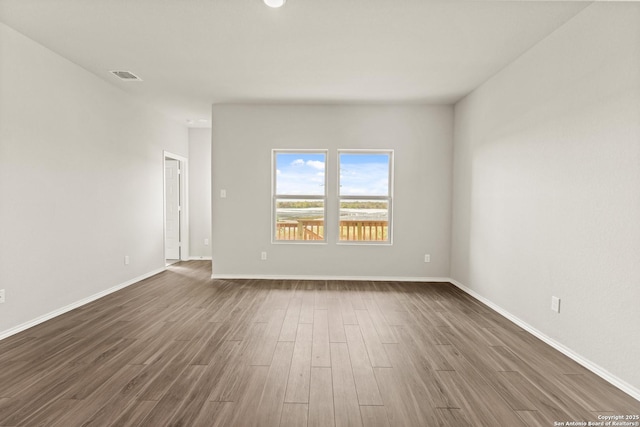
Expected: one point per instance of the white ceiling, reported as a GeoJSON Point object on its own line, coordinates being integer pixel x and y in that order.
{"type": "Point", "coordinates": [194, 53]}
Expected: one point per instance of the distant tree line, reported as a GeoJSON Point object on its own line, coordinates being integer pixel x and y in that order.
{"type": "Point", "coordinates": [304, 204]}
{"type": "Point", "coordinates": [363, 205]}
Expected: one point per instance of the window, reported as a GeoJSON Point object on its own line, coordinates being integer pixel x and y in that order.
{"type": "Point", "coordinates": [365, 196]}
{"type": "Point", "coordinates": [299, 196]}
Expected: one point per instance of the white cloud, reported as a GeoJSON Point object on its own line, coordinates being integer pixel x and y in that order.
{"type": "Point", "coordinates": [367, 179]}
{"type": "Point", "coordinates": [300, 181]}
{"type": "Point", "coordinates": [316, 164]}
{"type": "Point", "coordinates": [300, 174]}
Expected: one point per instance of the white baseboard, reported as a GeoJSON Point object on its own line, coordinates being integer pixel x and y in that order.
{"type": "Point", "coordinates": [596, 369]}
{"type": "Point", "coordinates": [311, 277]}
{"type": "Point", "coordinates": [199, 258]}
{"type": "Point", "coordinates": [72, 306]}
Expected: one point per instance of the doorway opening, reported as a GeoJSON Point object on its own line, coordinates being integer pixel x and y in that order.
{"type": "Point", "coordinates": [175, 213]}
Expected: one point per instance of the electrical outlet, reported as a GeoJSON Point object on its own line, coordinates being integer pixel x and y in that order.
{"type": "Point", "coordinates": [427, 258]}
{"type": "Point", "coordinates": [1, 296]}
{"type": "Point", "coordinates": [126, 260]}
{"type": "Point", "coordinates": [555, 304]}
{"type": "Point", "coordinates": [263, 256]}
{"type": "Point", "coordinates": [206, 242]}
{"type": "Point", "coordinates": [223, 194]}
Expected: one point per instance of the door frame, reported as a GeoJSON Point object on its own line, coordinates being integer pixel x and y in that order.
{"type": "Point", "coordinates": [184, 205]}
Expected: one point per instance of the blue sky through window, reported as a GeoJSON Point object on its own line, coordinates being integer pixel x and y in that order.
{"type": "Point", "coordinates": [360, 174]}
{"type": "Point", "coordinates": [300, 173]}
{"type": "Point", "coordinates": [364, 174]}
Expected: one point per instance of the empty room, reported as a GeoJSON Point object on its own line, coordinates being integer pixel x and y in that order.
{"type": "Point", "coordinates": [319, 213]}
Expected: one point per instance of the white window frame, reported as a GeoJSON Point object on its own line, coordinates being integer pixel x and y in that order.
{"type": "Point", "coordinates": [275, 197]}
{"type": "Point", "coordinates": [388, 198]}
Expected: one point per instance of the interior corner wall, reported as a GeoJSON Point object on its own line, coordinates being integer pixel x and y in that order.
{"type": "Point", "coordinates": [243, 137]}
{"type": "Point", "coordinates": [199, 193]}
{"type": "Point", "coordinates": [546, 178]}
{"type": "Point", "coordinates": [81, 181]}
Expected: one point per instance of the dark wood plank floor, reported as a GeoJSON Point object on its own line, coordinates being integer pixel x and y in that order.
{"type": "Point", "coordinates": [181, 349]}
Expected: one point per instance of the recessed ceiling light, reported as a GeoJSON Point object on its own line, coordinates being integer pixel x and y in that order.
{"type": "Point", "coordinates": [274, 3]}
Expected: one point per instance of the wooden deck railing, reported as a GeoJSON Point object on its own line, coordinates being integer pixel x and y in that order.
{"type": "Point", "coordinates": [350, 230]}
{"type": "Point", "coordinates": [308, 229]}
{"type": "Point", "coordinates": [363, 230]}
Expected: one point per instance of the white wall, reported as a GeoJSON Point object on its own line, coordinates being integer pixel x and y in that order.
{"type": "Point", "coordinates": [546, 188]}
{"type": "Point", "coordinates": [81, 169]}
{"type": "Point", "coordinates": [243, 137]}
{"type": "Point", "coordinates": [199, 192]}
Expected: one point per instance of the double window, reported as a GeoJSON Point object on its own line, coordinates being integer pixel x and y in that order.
{"type": "Point", "coordinates": [364, 196]}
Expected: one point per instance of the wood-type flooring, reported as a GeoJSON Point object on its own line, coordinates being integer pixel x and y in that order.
{"type": "Point", "coordinates": [181, 349]}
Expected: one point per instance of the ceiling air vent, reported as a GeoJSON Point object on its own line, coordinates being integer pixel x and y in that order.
{"type": "Point", "coordinates": [127, 76]}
